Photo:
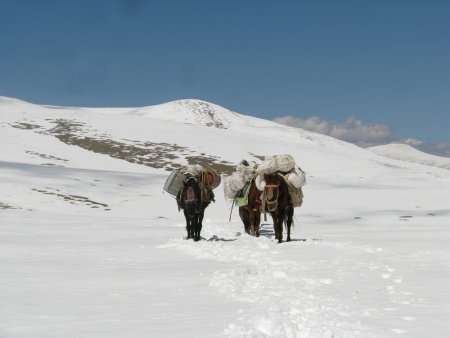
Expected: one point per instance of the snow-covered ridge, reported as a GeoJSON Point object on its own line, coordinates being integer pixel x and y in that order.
{"type": "Point", "coordinates": [184, 111]}
{"type": "Point", "coordinates": [142, 120]}
{"type": "Point", "coordinates": [188, 111]}
{"type": "Point", "coordinates": [164, 136]}
{"type": "Point", "coordinates": [405, 152]}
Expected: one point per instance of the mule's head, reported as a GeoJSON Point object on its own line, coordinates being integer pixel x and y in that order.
{"type": "Point", "coordinates": [272, 191]}
{"type": "Point", "coordinates": [191, 196]}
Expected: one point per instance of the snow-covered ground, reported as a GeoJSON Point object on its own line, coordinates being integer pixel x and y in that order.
{"type": "Point", "coordinates": [91, 247]}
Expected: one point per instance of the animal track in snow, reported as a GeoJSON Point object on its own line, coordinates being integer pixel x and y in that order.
{"type": "Point", "coordinates": [287, 298]}
{"type": "Point", "coordinates": [284, 299]}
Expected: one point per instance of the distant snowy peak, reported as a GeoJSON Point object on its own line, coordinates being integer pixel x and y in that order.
{"type": "Point", "coordinates": [8, 101]}
{"type": "Point", "coordinates": [407, 153]}
{"type": "Point", "coordinates": [189, 111]}
{"type": "Point", "coordinates": [206, 113]}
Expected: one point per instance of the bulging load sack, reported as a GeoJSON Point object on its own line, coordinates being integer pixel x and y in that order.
{"type": "Point", "coordinates": [238, 179]}
{"type": "Point", "coordinates": [193, 170]}
{"type": "Point", "coordinates": [233, 184]}
{"type": "Point", "coordinates": [293, 175]}
{"type": "Point", "coordinates": [296, 177]}
{"type": "Point", "coordinates": [260, 183]}
{"type": "Point", "coordinates": [296, 196]}
{"type": "Point", "coordinates": [174, 183]}
{"type": "Point", "coordinates": [276, 163]}
{"type": "Point", "coordinates": [247, 171]}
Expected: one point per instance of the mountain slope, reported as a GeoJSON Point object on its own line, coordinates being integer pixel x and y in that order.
{"type": "Point", "coordinates": [165, 136]}
{"type": "Point", "coordinates": [405, 152]}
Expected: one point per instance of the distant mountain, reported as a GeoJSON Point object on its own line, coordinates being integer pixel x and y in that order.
{"type": "Point", "coordinates": [170, 135]}
{"type": "Point", "coordinates": [164, 136]}
{"type": "Point", "coordinates": [405, 152]}
{"type": "Point", "coordinates": [189, 111]}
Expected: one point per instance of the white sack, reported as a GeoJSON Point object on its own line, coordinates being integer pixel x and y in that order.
{"type": "Point", "coordinates": [296, 177]}
{"type": "Point", "coordinates": [193, 170]}
{"type": "Point", "coordinates": [260, 183]}
{"type": "Point", "coordinates": [275, 163]}
{"type": "Point", "coordinates": [285, 162]}
{"type": "Point", "coordinates": [246, 171]}
{"type": "Point", "coordinates": [237, 180]}
{"type": "Point", "coordinates": [229, 193]}
{"type": "Point", "coordinates": [233, 184]}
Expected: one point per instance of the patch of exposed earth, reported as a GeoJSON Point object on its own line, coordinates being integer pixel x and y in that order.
{"type": "Point", "coordinates": [73, 199]}
{"type": "Point", "coordinates": [6, 206]}
{"type": "Point", "coordinates": [153, 154]}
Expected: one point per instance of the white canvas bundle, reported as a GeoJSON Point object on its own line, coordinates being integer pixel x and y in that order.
{"type": "Point", "coordinates": [232, 184]}
{"type": "Point", "coordinates": [193, 170]}
{"type": "Point", "coordinates": [237, 180]}
{"type": "Point", "coordinates": [260, 183]}
{"type": "Point", "coordinates": [275, 163]}
{"type": "Point", "coordinates": [246, 171]}
{"type": "Point", "coordinates": [296, 177]}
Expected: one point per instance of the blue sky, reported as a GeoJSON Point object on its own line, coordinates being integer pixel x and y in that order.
{"type": "Point", "coordinates": [384, 63]}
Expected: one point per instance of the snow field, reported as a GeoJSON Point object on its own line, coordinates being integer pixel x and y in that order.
{"type": "Point", "coordinates": [91, 247]}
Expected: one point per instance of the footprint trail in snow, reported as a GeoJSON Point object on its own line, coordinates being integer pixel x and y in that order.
{"type": "Point", "coordinates": [282, 297]}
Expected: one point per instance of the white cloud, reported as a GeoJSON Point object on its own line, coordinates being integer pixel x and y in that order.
{"type": "Point", "coordinates": [412, 141]}
{"type": "Point", "coordinates": [364, 134]}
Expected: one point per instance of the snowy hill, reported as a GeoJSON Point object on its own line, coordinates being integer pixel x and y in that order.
{"type": "Point", "coordinates": [91, 247]}
{"type": "Point", "coordinates": [405, 152]}
{"type": "Point", "coordinates": [164, 136]}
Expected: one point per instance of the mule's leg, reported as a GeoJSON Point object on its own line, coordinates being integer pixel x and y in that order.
{"type": "Point", "coordinates": [280, 229]}
{"type": "Point", "coordinates": [257, 221]}
{"type": "Point", "coordinates": [276, 230]}
{"type": "Point", "coordinates": [251, 221]}
{"type": "Point", "coordinates": [188, 224]}
{"type": "Point", "coordinates": [290, 214]}
{"type": "Point", "coordinates": [194, 227]}
{"type": "Point", "coordinates": [243, 213]}
{"type": "Point", "coordinates": [198, 225]}
{"type": "Point", "coordinates": [280, 219]}
{"type": "Point", "coordinates": [202, 214]}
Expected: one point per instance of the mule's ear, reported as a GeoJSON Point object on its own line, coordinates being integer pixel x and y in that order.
{"type": "Point", "coordinates": [244, 162]}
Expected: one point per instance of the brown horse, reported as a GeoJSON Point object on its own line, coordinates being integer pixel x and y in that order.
{"type": "Point", "coordinates": [251, 213]}
{"type": "Point", "coordinates": [278, 202]}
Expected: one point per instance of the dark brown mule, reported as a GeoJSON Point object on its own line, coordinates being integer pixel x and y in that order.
{"type": "Point", "coordinates": [278, 202]}
{"type": "Point", "coordinates": [193, 207]}
{"type": "Point", "coordinates": [251, 213]}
